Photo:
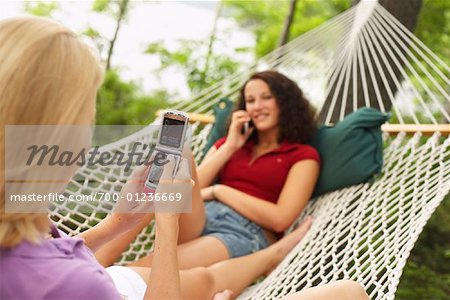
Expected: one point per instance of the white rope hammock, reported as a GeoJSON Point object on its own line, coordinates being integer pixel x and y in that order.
{"type": "Point", "coordinates": [363, 232]}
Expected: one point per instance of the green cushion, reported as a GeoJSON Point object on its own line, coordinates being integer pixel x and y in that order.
{"type": "Point", "coordinates": [222, 110]}
{"type": "Point", "coordinates": [351, 152]}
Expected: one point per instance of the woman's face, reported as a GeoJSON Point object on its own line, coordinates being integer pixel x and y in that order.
{"type": "Point", "coordinates": [261, 105]}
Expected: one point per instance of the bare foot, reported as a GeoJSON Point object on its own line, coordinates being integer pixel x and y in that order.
{"type": "Point", "coordinates": [282, 247]}
{"type": "Point", "coordinates": [224, 295]}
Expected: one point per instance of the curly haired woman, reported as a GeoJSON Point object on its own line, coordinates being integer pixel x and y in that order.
{"type": "Point", "coordinates": [254, 184]}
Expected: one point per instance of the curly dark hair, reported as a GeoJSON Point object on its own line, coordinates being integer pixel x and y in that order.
{"type": "Point", "coordinates": [297, 120]}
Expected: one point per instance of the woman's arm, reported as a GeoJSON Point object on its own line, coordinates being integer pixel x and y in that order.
{"type": "Point", "coordinates": [164, 280]}
{"type": "Point", "coordinates": [296, 193]}
{"type": "Point", "coordinates": [215, 159]}
{"type": "Point", "coordinates": [213, 162]}
{"type": "Point", "coordinates": [102, 233]}
{"type": "Point", "coordinates": [110, 252]}
{"type": "Point", "coordinates": [126, 216]}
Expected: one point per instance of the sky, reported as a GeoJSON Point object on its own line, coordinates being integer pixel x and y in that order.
{"type": "Point", "coordinates": [147, 22]}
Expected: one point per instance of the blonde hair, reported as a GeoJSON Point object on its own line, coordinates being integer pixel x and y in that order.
{"type": "Point", "coordinates": [49, 77]}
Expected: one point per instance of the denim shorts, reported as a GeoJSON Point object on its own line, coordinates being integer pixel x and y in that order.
{"type": "Point", "coordinates": [239, 235]}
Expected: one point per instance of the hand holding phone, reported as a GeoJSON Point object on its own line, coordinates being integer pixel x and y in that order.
{"type": "Point", "coordinates": [246, 127]}
{"type": "Point", "coordinates": [171, 138]}
{"type": "Point", "coordinates": [238, 132]}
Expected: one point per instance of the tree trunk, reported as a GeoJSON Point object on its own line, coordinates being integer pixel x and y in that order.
{"type": "Point", "coordinates": [212, 39]}
{"type": "Point", "coordinates": [284, 37]}
{"type": "Point", "coordinates": [288, 23]}
{"type": "Point", "coordinates": [122, 12]}
{"type": "Point", "coordinates": [407, 12]}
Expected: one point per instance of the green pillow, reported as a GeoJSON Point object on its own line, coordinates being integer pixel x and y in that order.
{"type": "Point", "coordinates": [222, 110]}
{"type": "Point", "coordinates": [351, 152]}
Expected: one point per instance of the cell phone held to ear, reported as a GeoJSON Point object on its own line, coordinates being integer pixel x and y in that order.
{"type": "Point", "coordinates": [246, 127]}
{"type": "Point", "coordinates": [171, 137]}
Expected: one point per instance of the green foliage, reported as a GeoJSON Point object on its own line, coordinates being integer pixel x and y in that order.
{"type": "Point", "coordinates": [40, 8]}
{"type": "Point", "coordinates": [114, 8]}
{"type": "Point", "coordinates": [189, 59]}
{"type": "Point", "coordinates": [100, 42]}
{"type": "Point", "coordinates": [109, 7]}
{"type": "Point", "coordinates": [420, 282]}
{"type": "Point", "coordinates": [168, 58]}
{"type": "Point", "coordinates": [118, 11]}
{"type": "Point", "coordinates": [266, 18]}
{"type": "Point", "coordinates": [101, 5]}
{"type": "Point", "coordinates": [433, 27]}
{"type": "Point", "coordinates": [123, 103]}
{"type": "Point", "coordinates": [263, 18]}
{"type": "Point", "coordinates": [427, 273]}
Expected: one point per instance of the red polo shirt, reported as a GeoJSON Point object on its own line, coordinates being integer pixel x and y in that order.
{"type": "Point", "coordinates": [263, 178]}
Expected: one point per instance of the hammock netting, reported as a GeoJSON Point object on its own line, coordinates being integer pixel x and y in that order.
{"type": "Point", "coordinates": [364, 232]}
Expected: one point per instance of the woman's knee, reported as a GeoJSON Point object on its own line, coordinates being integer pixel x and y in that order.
{"type": "Point", "coordinates": [354, 289]}
{"type": "Point", "coordinates": [201, 284]}
{"type": "Point", "coordinates": [205, 276]}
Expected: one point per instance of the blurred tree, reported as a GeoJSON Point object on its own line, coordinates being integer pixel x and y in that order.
{"type": "Point", "coordinates": [118, 10]}
{"type": "Point", "coordinates": [266, 18]}
{"type": "Point", "coordinates": [288, 23]}
{"type": "Point", "coordinates": [123, 103]}
{"type": "Point", "coordinates": [40, 8]}
{"type": "Point", "coordinates": [212, 38]}
{"type": "Point", "coordinates": [284, 37]}
{"type": "Point", "coordinates": [263, 18]}
{"type": "Point", "coordinates": [433, 27]}
{"type": "Point", "coordinates": [189, 59]}
{"type": "Point", "coordinates": [99, 40]}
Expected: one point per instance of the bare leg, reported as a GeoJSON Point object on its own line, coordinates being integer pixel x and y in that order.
{"type": "Point", "coordinates": [339, 290]}
{"type": "Point", "coordinates": [203, 283]}
{"type": "Point", "coordinates": [192, 224]}
{"type": "Point", "coordinates": [196, 283]}
{"type": "Point", "coordinates": [200, 252]}
{"type": "Point", "coordinates": [256, 264]}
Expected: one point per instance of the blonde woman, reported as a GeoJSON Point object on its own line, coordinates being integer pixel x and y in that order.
{"type": "Point", "coordinates": [49, 77]}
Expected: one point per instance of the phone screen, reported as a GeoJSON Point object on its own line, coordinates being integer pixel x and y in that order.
{"type": "Point", "coordinates": [171, 132]}
{"type": "Point", "coordinates": [155, 174]}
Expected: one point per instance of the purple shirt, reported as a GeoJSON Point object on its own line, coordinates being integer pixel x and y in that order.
{"type": "Point", "coordinates": [59, 268]}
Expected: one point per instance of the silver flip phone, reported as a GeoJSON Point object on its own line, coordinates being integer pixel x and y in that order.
{"type": "Point", "coordinates": [170, 141]}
